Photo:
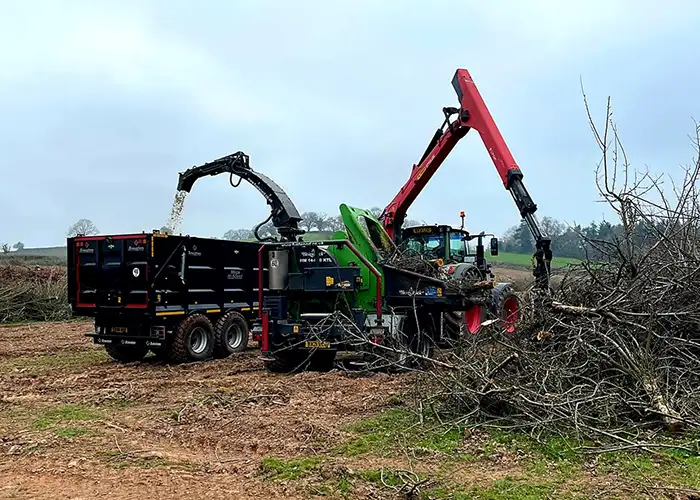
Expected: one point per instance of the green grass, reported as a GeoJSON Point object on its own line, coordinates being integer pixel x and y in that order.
{"type": "Point", "coordinates": [676, 468]}
{"type": "Point", "coordinates": [549, 467]}
{"type": "Point", "coordinates": [35, 365]}
{"type": "Point", "coordinates": [522, 259]}
{"type": "Point", "coordinates": [281, 469]}
{"type": "Point", "coordinates": [51, 417]}
{"type": "Point", "coordinates": [71, 432]}
{"type": "Point", "coordinates": [395, 430]}
{"type": "Point", "coordinates": [502, 489]}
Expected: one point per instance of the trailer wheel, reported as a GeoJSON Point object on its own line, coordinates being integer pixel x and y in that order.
{"type": "Point", "coordinates": [193, 340]}
{"type": "Point", "coordinates": [126, 353]}
{"type": "Point", "coordinates": [230, 334]}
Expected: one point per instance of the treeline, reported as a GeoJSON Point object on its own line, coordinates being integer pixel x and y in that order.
{"type": "Point", "coordinates": [580, 242]}
{"type": "Point", "coordinates": [575, 241]}
{"type": "Point", "coordinates": [312, 221]}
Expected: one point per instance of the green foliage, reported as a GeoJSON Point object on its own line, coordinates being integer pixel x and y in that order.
{"type": "Point", "coordinates": [576, 241]}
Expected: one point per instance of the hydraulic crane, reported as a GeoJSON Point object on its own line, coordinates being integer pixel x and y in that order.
{"type": "Point", "coordinates": [471, 114]}
{"type": "Point", "coordinates": [285, 216]}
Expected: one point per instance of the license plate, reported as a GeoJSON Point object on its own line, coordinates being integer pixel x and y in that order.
{"type": "Point", "coordinates": [119, 329]}
{"type": "Point", "coordinates": [317, 344]}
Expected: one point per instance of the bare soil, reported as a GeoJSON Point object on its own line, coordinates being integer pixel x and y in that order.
{"type": "Point", "coordinates": [74, 424]}
{"type": "Point", "coordinates": [521, 276]}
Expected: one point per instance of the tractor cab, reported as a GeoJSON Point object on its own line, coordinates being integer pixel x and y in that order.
{"type": "Point", "coordinates": [448, 245]}
{"type": "Point", "coordinates": [437, 243]}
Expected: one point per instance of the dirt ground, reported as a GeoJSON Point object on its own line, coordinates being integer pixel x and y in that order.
{"type": "Point", "coordinates": [76, 425]}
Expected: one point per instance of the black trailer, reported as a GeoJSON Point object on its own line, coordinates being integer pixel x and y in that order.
{"type": "Point", "coordinates": [183, 298]}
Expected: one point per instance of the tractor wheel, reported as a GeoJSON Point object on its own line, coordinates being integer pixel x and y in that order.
{"type": "Point", "coordinates": [452, 325]}
{"type": "Point", "coordinates": [461, 322]}
{"type": "Point", "coordinates": [126, 353]}
{"type": "Point", "coordinates": [506, 307]}
{"type": "Point", "coordinates": [230, 334]}
{"type": "Point", "coordinates": [193, 340]}
{"type": "Point", "coordinates": [412, 346]}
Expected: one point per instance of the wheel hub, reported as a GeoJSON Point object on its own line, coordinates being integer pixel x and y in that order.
{"type": "Point", "coordinates": [198, 340]}
{"type": "Point", "coordinates": [234, 337]}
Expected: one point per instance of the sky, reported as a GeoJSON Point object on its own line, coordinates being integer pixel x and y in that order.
{"type": "Point", "coordinates": [104, 103]}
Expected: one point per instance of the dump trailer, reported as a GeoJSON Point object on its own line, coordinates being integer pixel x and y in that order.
{"type": "Point", "coordinates": [183, 298]}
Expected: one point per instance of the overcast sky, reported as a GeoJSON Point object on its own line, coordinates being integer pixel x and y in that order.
{"type": "Point", "coordinates": [103, 103]}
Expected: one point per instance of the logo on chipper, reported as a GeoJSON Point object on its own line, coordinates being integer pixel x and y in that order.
{"type": "Point", "coordinates": [136, 272]}
{"type": "Point", "coordinates": [274, 263]}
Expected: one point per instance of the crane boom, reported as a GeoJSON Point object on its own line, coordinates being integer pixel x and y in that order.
{"type": "Point", "coordinates": [285, 216]}
{"type": "Point", "coordinates": [471, 114]}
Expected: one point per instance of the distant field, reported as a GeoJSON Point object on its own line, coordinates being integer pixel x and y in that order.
{"type": "Point", "coordinates": [45, 256]}
{"type": "Point", "coordinates": [43, 252]}
{"type": "Point", "coordinates": [521, 259]}
{"type": "Point", "coordinates": [57, 255]}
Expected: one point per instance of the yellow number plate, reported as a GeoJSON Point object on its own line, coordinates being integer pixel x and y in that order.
{"type": "Point", "coordinates": [119, 329]}
{"type": "Point", "coordinates": [317, 344]}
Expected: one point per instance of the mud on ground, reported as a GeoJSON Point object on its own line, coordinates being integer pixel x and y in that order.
{"type": "Point", "coordinates": [74, 424]}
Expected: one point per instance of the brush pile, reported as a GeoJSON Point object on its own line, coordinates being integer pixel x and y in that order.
{"type": "Point", "coordinates": [32, 293]}
{"type": "Point", "coordinates": [470, 285]}
{"type": "Point", "coordinates": [614, 358]}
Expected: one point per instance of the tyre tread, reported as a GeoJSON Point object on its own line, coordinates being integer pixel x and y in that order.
{"type": "Point", "coordinates": [178, 352]}
{"type": "Point", "coordinates": [221, 350]}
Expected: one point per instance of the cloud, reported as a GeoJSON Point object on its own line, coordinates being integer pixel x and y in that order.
{"type": "Point", "coordinates": [104, 103]}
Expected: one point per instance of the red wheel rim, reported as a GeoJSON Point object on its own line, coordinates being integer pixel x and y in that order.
{"type": "Point", "coordinates": [510, 308]}
{"type": "Point", "coordinates": [472, 319]}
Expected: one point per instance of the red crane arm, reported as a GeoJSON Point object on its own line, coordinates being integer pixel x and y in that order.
{"type": "Point", "coordinates": [444, 140]}
{"type": "Point", "coordinates": [472, 113]}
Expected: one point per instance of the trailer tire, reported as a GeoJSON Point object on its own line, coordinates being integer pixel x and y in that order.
{"type": "Point", "coordinates": [126, 353]}
{"type": "Point", "coordinates": [230, 334]}
{"type": "Point", "coordinates": [193, 340]}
